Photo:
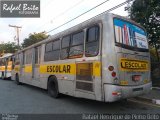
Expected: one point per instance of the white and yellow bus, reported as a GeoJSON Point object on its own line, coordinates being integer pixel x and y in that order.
{"type": "Point", "coordinates": [105, 58]}
{"type": "Point", "coordinates": [6, 65]}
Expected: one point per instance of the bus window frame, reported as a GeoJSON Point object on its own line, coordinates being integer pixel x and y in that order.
{"type": "Point", "coordinates": [65, 48]}
{"type": "Point", "coordinates": [71, 46]}
{"type": "Point", "coordinates": [53, 50]}
{"type": "Point", "coordinates": [98, 40]}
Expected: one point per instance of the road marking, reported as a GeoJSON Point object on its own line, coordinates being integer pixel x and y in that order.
{"type": "Point", "coordinates": [140, 102]}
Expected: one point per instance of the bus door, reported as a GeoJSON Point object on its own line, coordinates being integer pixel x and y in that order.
{"type": "Point", "coordinates": [27, 67]}
{"type": "Point", "coordinates": [36, 63]}
{"type": "Point", "coordinates": [84, 76]}
{"type": "Point", "coordinates": [20, 65]}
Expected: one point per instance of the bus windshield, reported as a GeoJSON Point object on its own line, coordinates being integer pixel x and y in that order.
{"type": "Point", "coordinates": [130, 35]}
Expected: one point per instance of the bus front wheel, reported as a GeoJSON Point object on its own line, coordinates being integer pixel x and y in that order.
{"type": "Point", "coordinates": [53, 87]}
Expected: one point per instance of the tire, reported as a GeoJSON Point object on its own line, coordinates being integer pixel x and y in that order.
{"type": "Point", "coordinates": [53, 87]}
{"type": "Point", "coordinates": [17, 79]}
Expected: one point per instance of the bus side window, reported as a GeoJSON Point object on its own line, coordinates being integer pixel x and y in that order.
{"type": "Point", "coordinates": [23, 61]}
{"type": "Point", "coordinates": [17, 59]}
{"type": "Point", "coordinates": [77, 43]}
{"type": "Point", "coordinates": [56, 50]}
{"type": "Point", "coordinates": [65, 47]}
{"type": "Point", "coordinates": [13, 62]}
{"type": "Point", "coordinates": [92, 41]}
{"type": "Point", "coordinates": [52, 51]}
{"type": "Point", "coordinates": [49, 47]}
{"type": "Point", "coordinates": [28, 57]}
{"type": "Point", "coordinates": [36, 55]}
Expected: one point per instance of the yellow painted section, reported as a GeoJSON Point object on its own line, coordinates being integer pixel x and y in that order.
{"type": "Point", "coordinates": [28, 69]}
{"type": "Point", "coordinates": [123, 82]}
{"type": "Point", "coordinates": [2, 68]}
{"type": "Point", "coordinates": [97, 69]}
{"type": "Point", "coordinates": [17, 68]}
{"type": "Point", "coordinates": [9, 68]}
{"type": "Point", "coordinates": [146, 81]}
{"type": "Point", "coordinates": [133, 65]}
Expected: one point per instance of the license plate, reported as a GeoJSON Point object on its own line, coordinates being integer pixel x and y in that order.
{"type": "Point", "coordinates": [136, 78]}
{"type": "Point", "coordinates": [137, 89]}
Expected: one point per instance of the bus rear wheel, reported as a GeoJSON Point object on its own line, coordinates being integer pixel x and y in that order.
{"type": "Point", "coordinates": [17, 79]}
{"type": "Point", "coordinates": [53, 87]}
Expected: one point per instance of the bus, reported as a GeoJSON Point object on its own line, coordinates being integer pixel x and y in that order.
{"type": "Point", "coordinates": [105, 58]}
{"type": "Point", "coordinates": [6, 66]}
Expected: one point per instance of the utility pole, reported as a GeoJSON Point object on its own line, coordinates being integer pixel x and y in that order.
{"type": "Point", "coordinates": [17, 30]}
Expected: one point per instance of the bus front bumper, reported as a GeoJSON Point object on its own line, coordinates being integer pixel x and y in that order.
{"type": "Point", "coordinates": [115, 92]}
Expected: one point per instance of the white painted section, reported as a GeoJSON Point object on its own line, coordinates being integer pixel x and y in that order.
{"type": "Point", "coordinates": [156, 101]}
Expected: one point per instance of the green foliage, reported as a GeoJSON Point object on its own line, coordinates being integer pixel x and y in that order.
{"type": "Point", "coordinates": [153, 54]}
{"type": "Point", "coordinates": [10, 47]}
{"type": "Point", "coordinates": [147, 13]}
{"type": "Point", "coordinates": [34, 38]}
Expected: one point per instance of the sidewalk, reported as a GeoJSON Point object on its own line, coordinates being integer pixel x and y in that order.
{"type": "Point", "coordinates": [153, 96]}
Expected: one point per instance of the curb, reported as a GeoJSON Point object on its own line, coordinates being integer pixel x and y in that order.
{"type": "Point", "coordinates": [149, 100]}
{"type": "Point", "coordinates": [143, 99]}
{"type": "Point", "coordinates": [153, 101]}
{"type": "Point", "coordinates": [155, 88]}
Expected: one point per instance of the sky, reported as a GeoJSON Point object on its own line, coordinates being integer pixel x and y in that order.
{"type": "Point", "coordinates": [53, 14]}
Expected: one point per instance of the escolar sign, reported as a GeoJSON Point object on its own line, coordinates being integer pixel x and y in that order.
{"type": "Point", "coordinates": [58, 68]}
{"type": "Point", "coordinates": [133, 65]}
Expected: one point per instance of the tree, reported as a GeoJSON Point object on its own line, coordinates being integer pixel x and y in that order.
{"type": "Point", "coordinates": [147, 13]}
{"type": "Point", "coordinates": [153, 54]}
{"type": "Point", "coordinates": [10, 47]}
{"type": "Point", "coordinates": [34, 38]}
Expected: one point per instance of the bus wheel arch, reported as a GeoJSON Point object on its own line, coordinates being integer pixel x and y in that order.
{"type": "Point", "coordinates": [52, 86]}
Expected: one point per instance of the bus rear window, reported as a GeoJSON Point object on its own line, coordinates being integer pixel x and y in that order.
{"type": "Point", "coordinates": [129, 34]}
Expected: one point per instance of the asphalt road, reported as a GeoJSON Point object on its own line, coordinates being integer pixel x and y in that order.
{"type": "Point", "coordinates": [25, 99]}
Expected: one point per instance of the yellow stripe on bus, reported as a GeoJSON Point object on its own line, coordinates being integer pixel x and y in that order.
{"type": "Point", "coordinates": [67, 69]}
{"type": "Point", "coordinates": [9, 68]}
{"type": "Point", "coordinates": [28, 69]}
{"type": "Point", "coordinates": [97, 69]}
{"type": "Point", "coordinates": [61, 69]}
{"type": "Point", "coordinates": [17, 68]}
{"type": "Point", "coordinates": [2, 68]}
